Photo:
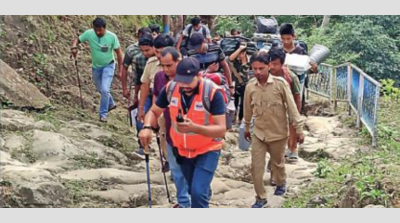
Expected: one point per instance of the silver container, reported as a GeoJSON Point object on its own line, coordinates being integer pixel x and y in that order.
{"type": "Point", "coordinates": [319, 53]}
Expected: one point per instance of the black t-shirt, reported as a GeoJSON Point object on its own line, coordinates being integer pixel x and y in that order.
{"type": "Point", "coordinates": [298, 50]}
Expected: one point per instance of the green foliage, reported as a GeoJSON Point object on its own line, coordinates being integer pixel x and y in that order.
{"type": "Point", "coordinates": [91, 160]}
{"type": "Point", "coordinates": [25, 153]}
{"type": "Point", "coordinates": [369, 188]}
{"type": "Point", "coordinates": [374, 173]}
{"type": "Point", "coordinates": [76, 189]}
{"type": "Point", "coordinates": [5, 102]}
{"type": "Point", "coordinates": [244, 23]}
{"type": "Point", "coordinates": [48, 116]}
{"type": "Point", "coordinates": [389, 91]}
{"type": "Point", "coordinates": [323, 169]}
{"type": "Point", "coordinates": [370, 42]}
{"type": "Point", "coordinates": [364, 44]}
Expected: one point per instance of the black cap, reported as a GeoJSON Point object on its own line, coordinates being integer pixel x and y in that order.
{"type": "Point", "coordinates": [186, 70]}
{"type": "Point", "coordinates": [195, 41]}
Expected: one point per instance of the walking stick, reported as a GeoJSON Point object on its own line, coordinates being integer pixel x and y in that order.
{"type": "Point", "coordinates": [162, 166]}
{"type": "Point", "coordinates": [148, 175]}
{"type": "Point", "coordinates": [79, 80]}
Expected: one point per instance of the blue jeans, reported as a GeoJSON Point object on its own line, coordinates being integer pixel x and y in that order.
{"type": "Point", "coordinates": [147, 106]}
{"type": "Point", "coordinates": [199, 173]}
{"type": "Point", "coordinates": [103, 78]}
{"type": "Point", "coordinates": [182, 190]}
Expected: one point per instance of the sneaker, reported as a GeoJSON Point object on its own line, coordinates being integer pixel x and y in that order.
{"type": "Point", "coordinates": [260, 203]}
{"type": "Point", "coordinates": [103, 119]}
{"type": "Point", "coordinates": [165, 168]}
{"type": "Point", "coordinates": [280, 190]}
{"type": "Point", "coordinates": [112, 108]}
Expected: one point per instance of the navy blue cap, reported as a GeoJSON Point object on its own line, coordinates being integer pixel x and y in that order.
{"type": "Point", "coordinates": [195, 41]}
{"type": "Point", "coordinates": [186, 70]}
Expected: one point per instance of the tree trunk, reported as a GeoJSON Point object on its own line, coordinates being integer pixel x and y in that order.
{"type": "Point", "coordinates": [179, 23]}
{"type": "Point", "coordinates": [325, 21]}
{"type": "Point", "coordinates": [208, 20]}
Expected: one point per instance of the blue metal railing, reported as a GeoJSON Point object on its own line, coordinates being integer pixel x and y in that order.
{"type": "Point", "coordinates": [350, 84]}
{"type": "Point", "coordinates": [362, 93]}
{"type": "Point", "coordinates": [321, 83]}
{"type": "Point", "coordinates": [341, 85]}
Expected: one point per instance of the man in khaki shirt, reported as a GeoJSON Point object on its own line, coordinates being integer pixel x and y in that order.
{"type": "Point", "coordinates": [268, 100]}
{"type": "Point", "coordinates": [153, 66]}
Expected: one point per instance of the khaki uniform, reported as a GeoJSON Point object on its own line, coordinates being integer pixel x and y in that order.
{"type": "Point", "coordinates": [270, 105]}
{"type": "Point", "coordinates": [153, 66]}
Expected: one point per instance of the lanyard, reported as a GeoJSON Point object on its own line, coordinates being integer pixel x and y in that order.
{"type": "Point", "coordinates": [186, 110]}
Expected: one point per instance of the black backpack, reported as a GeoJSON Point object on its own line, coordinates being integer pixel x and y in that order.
{"type": "Point", "coordinates": [185, 40]}
{"type": "Point", "coordinates": [302, 44]}
{"type": "Point", "coordinates": [230, 44]}
{"type": "Point", "coordinates": [267, 25]}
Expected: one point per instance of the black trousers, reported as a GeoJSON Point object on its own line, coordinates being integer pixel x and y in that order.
{"type": "Point", "coordinates": [239, 100]}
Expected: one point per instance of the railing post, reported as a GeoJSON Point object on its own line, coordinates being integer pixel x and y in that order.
{"type": "Point", "coordinates": [360, 100]}
{"type": "Point", "coordinates": [330, 84]}
{"type": "Point", "coordinates": [375, 127]}
{"type": "Point", "coordinates": [349, 78]}
{"type": "Point", "coordinates": [336, 88]}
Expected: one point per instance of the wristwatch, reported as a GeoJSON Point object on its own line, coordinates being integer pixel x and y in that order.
{"type": "Point", "coordinates": [231, 87]}
{"type": "Point", "coordinates": [148, 127]}
{"type": "Point", "coordinates": [155, 130]}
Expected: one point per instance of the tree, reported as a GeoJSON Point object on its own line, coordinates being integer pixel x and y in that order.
{"type": "Point", "coordinates": [325, 21]}
{"type": "Point", "coordinates": [365, 44]}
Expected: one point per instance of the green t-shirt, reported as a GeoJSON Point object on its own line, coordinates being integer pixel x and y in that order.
{"type": "Point", "coordinates": [296, 88]}
{"type": "Point", "coordinates": [101, 48]}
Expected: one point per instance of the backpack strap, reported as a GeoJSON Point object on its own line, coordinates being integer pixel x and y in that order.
{"type": "Point", "coordinates": [190, 31]}
{"type": "Point", "coordinates": [203, 29]}
{"type": "Point", "coordinates": [170, 90]}
{"type": "Point", "coordinates": [207, 88]}
{"type": "Point", "coordinates": [208, 93]}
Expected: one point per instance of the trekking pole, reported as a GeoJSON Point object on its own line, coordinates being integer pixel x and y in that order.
{"type": "Point", "coordinates": [162, 166]}
{"type": "Point", "coordinates": [79, 80]}
{"type": "Point", "coordinates": [148, 175]}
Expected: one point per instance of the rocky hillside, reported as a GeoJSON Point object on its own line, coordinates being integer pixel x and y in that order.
{"type": "Point", "coordinates": [50, 161]}
{"type": "Point", "coordinates": [38, 48]}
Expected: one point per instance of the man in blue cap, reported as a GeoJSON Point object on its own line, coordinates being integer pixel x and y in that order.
{"type": "Point", "coordinates": [197, 112]}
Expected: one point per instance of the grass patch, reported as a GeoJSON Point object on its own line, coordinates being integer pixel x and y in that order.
{"type": "Point", "coordinates": [91, 160]}
{"type": "Point", "coordinates": [26, 153]}
{"type": "Point", "coordinates": [373, 175]}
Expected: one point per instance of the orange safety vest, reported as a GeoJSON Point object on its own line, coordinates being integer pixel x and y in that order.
{"type": "Point", "coordinates": [191, 145]}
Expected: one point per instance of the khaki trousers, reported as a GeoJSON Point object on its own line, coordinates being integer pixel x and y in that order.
{"type": "Point", "coordinates": [259, 150]}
